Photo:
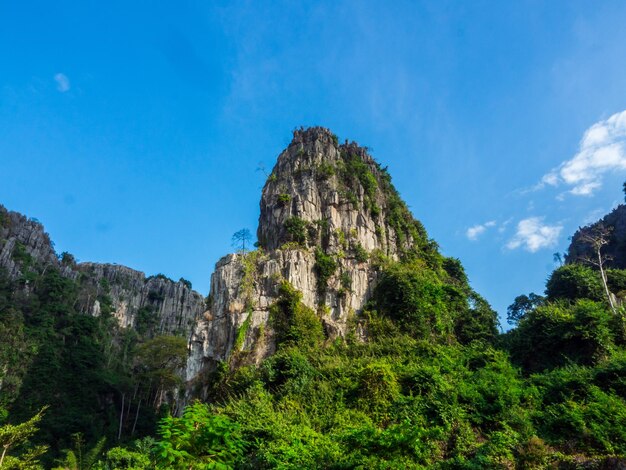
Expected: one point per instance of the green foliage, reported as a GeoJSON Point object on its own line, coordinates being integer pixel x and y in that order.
{"type": "Point", "coordinates": [241, 333]}
{"type": "Point", "coordinates": [138, 457]}
{"type": "Point", "coordinates": [160, 276]}
{"type": "Point", "coordinates": [415, 299]}
{"type": "Point", "coordinates": [284, 199]}
{"type": "Point", "coordinates": [584, 408]}
{"type": "Point", "coordinates": [296, 228]}
{"type": "Point", "coordinates": [67, 259]}
{"type": "Point", "coordinates": [159, 359]}
{"type": "Point", "coordinates": [325, 267]}
{"type": "Point", "coordinates": [360, 253]}
{"type": "Point", "coordinates": [292, 321]}
{"type": "Point", "coordinates": [521, 306]}
{"type": "Point", "coordinates": [21, 255]}
{"type": "Point", "coordinates": [324, 171]}
{"type": "Point", "coordinates": [346, 281]}
{"type": "Point", "coordinates": [185, 282]}
{"type": "Point", "coordinates": [198, 440]}
{"type": "Point", "coordinates": [574, 281]}
{"type": "Point", "coordinates": [145, 319]}
{"type": "Point", "coordinates": [476, 322]}
{"type": "Point", "coordinates": [18, 435]}
{"type": "Point", "coordinates": [79, 458]}
{"type": "Point", "coordinates": [556, 334]}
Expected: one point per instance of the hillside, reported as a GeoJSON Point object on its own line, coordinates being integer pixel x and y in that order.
{"type": "Point", "coordinates": [345, 339]}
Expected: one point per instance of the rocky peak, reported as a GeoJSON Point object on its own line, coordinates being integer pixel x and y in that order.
{"type": "Point", "coordinates": [322, 193]}
{"type": "Point", "coordinates": [329, 215]}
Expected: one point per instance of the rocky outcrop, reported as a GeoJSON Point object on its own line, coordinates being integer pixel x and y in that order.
{"type": "Point", "coordinates": [153, 305]}
{"type": "Point", "coordinates": [614, 251]}
{"type": "Point", "coordinates": [329, 215]}
{"type": "Point", "coordinates": [23, 240]}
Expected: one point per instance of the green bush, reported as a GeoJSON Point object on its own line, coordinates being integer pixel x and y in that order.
{"type": "Point", "coordinates": [283, 199]}
{"type": "Point", "coordinates": [556, 334]}
{"type": "Point", "coordinates": [199, 440]}
{"type": "Point", "coordinates": [360, 253]}
{"type": "Point", "coordinates": [325, 267]}
{"type": "Point", "coordinates": [296, 228]}
{"type": "Point", "coordinates": [574, 281]}
{"type": "Point", "coordinates": [292, 321]}
{"type": "Point", "coordinates": [415, 299]}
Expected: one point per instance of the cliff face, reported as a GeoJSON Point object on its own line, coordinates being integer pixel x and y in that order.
{"type": "Point", "coordinates": [154, 305]}
{"type": "Point", "coordinates": [21, 239]}
{"type": "Point", "coordinates": [329, 214]}
{"type": "Point", "coordinates": [615, 250]}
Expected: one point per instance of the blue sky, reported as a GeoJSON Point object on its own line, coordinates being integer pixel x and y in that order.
{"type": "Point", "coordinates": [134, 130]}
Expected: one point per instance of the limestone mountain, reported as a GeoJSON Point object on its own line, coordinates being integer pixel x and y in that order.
{"type": "Point", "coordinates": [152, 305]}
{"type": "Point", "coordinates": [329, 219]}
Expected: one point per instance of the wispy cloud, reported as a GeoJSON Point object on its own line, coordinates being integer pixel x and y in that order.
{"type": "Point", "coordinates": [63, 83]}
{"type": "Point", "coordinates": [532, 235]}
{"type": "Point", "coordinates": [602, 150]}
{"type": "Point", "coordinates": [477, 230]}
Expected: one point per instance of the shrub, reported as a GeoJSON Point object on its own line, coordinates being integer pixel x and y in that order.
{"type": "Point", "coordinates": [360, 253]}
{"type": "Point", "coordinates": [415, 299]}
{"type": "Point", "coordinates": [292, 321]}
{"type": "Point", "coordinates": [199, 439]}
{"type": "Point", "coordinates": [574, 281]}
{"type": "Point", "coordinates": [296, 228]}
{"type": "Point", "coordinates": [557, 333]}
{"type": "Point", "coordinates": [283, 199]}
{"type": "Point", "coordinates": [325, 267]}
{"type": "Point", "coordinates": [324, 171]}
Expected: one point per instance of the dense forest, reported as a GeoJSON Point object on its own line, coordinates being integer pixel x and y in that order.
{"type": "Point", "coordinates": [422, 379]}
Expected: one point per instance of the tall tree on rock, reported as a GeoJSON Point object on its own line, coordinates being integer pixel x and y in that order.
{"type": "Point", "coordinates": [597, 238]}
{"type": "Point", "coordinates": [241, 240]}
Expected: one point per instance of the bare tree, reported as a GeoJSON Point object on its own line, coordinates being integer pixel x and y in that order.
{"type": "Point", "coordinates": [597, 238]}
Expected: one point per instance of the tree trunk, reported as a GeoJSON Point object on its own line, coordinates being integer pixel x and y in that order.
{"type": "Point", "coordinates": [604, 281]}
{"type": "Point", "coordinates": [4, 451]}
{"type": "Point", "coordinates": [119, 433]}
{"type": "Point", "coordinates": [132, 433]}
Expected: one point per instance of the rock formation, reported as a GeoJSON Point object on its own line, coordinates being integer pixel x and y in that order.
{"type": "Point", "coordinates": [329, 214]}
{"type": "Point", "coordinates": [153, 305]}
{"type": "Point", "coordinates": [615, 250]}
{"type": "Point", "coordinates": [329, 217]}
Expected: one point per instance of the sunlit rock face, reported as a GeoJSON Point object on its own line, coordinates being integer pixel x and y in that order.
{"type": "Point", "coordinates": [154, 305]}
{"type": "Point", "coordinates": [321, 197]}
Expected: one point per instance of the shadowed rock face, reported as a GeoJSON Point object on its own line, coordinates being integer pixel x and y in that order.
{"type": "Point", "coordinates": [615, 250]}
{"type": "Point", "coordinates": [165, 306]}
{"type": "Point", "coordinates": [321, 197]}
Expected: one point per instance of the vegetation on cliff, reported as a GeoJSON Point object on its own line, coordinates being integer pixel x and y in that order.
{"type": "Point", "coordinates": [421, 378]}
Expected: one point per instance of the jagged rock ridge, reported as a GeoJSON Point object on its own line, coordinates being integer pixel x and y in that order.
{"type": "Point", "coordinates": [329, 213]}
{"type": "Point", "coordinates": [153, 305]}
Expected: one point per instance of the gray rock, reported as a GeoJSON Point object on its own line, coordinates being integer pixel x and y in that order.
{"type": "Point", "coordinates": [346, 215]}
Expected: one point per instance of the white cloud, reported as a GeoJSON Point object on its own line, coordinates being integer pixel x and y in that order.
{"type": "Point", "coordinates": [474, 232]}
{"type": "Point", "coordinates": [63, 83]}
{"type": "Point", "coordinates": [602, 150]}
{"type": "Point", "coordinates": [533, 235]}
